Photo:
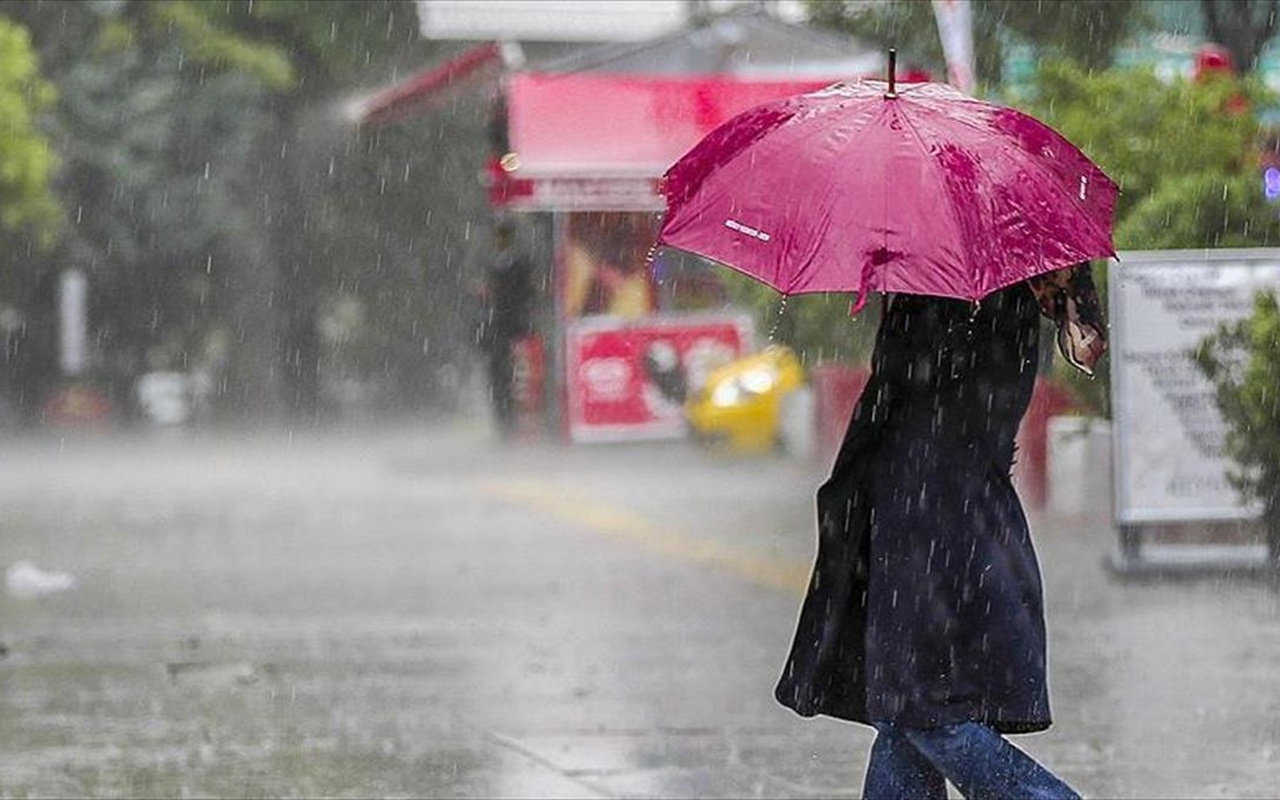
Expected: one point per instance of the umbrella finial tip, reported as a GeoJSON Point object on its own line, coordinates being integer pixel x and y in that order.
{"type": "Point", "coordinates": [893, 68]}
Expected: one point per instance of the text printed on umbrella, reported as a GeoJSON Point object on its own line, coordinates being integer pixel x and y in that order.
{"type": "Point", "coordinates": [734, 225]}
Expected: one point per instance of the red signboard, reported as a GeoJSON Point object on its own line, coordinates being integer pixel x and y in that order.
{"type": "Point", "coordinates": [628, 381]}
{"type": "Point", "coordinates": [528, 385]}
{"type": "Point", "coordinates": [572, 194]}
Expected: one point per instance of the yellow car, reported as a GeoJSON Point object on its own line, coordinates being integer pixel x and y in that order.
{"type": "Point", "coordinates": [740, 403]}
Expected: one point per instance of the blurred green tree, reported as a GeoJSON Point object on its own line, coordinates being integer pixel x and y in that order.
{"type": "Point", "coordinates": [1087, 32]}
{"type": "Point", "coordinates": [821, 328]}
{"type": "Point", "coordinates": [375, 219]}
{"type": "Point", "coordinates": [1242, 361]}
{"type": "Point", "coordinates": [29, 212]}
{"type": "Point", "coordinates": [299, 52]}
{"type": "Point", "coordinates": [223, 203]}
{"type": "Point", "coordinates": [148, 150]}
{"type": "Point", "coordinates": [1160, 141]}
{"type": "Point", "coordinates": [26, 201]}
{"type": "Point", "coordinates": [1184, 152]}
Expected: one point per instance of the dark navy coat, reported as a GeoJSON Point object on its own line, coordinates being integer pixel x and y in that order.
{"type": "Point", "coordinates": [925, 605]}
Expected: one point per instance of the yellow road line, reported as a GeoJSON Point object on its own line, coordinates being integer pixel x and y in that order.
{"type": "Point", "coordinates": [623, 525]}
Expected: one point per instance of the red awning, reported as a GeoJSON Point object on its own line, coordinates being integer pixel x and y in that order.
{"type": "Point", "coordinates": [428, 88]}
{"type": "Point", "coordinates": [602, 140]}
{"type": "Point", "coordinates": [586, 140]}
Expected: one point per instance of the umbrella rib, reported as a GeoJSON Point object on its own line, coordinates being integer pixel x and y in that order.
{"type": "Point", "coordinates": [995, 221]}
{"type": "Point", "coordinates": [1040, 168]}
{"type": "Point", "coordinates": [828, 190]}
{"type": "Point", "coordinates": [937, 169]}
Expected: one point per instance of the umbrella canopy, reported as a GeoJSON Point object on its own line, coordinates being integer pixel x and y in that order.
{"type": "Point", "coordinates": [870, 187]}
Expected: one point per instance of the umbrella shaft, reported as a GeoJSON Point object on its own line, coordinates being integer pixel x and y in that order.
{"type": "Point", "coordinates": [893, 68]}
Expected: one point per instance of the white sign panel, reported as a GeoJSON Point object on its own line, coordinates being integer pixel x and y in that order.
{"type": "Point", "coordinates": [550, 20]}
{"type": "Point", "coordinates": [570, 20]}
{"type": "Point", "coordinates": [1169, 458]}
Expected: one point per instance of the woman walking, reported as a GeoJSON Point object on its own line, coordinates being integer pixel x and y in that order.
{"type": "Point", "coordinates": [924, 616]}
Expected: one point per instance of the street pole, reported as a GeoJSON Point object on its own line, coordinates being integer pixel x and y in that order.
{"type": "Point", "coordinates": [73, 295]}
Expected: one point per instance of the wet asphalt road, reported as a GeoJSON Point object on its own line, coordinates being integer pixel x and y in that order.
{"type": "Point", "coordinates": [417, 612]}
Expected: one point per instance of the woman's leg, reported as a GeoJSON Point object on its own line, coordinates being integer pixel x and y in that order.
{"type": "Point", "coordinates": [983, 765]}
{"type": "Point", "coordinates": [897, 771]}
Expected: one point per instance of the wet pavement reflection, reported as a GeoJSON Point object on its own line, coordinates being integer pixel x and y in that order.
{"type": "Point", "coordinates": [419, 612]}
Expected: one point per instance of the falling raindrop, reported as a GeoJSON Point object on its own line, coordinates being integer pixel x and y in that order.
{"type": "Point", "coordinates": [650, 255]}
{"type": "Point", "coordinates": [773, 329]}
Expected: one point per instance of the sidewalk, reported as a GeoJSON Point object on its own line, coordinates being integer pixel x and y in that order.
{"type": "Point", "coordinates": [419, 612]}
{"type": "Point", "coordinates": [1160, 689]}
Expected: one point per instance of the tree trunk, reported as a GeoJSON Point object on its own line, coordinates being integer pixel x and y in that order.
{"type": "Point", "coordinates": [31, 351]}
{"type": "Point", "coordinates": [297, 282]}
{"type": "Point", "coordinates": [251, 386]}
{"type": "Point", "coordinates": [1271, 525]}
{"type": "Point", "coordinates": [1242, 26]}
{"type": "Point", "coordinates": [257, 267]}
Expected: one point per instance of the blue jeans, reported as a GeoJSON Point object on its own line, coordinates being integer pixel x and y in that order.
{"type": "Point", "coordinates": [913, 763]}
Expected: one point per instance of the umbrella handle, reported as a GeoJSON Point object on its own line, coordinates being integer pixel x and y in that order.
{"type": "Point", "coordinates": [893, 68]}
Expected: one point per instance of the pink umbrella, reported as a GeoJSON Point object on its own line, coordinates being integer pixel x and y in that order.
{"type": "Point", "coordinates": [870, 187]}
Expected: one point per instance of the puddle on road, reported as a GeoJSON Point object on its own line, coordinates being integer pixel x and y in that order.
{"type": "Point", "coordinates": [213, 674]}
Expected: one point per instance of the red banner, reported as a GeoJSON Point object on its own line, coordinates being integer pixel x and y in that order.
{"type": "Point", "coordinates": [628, 381]}
{"type": "Point", "coordinates": [528, 385]}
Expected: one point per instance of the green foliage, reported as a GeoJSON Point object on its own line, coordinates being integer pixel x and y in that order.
{"type": "Point", "coordinates": [30, 217]}
{"type": "Point", "coordinates": [152, 154]}
{"type": "Point", "coordinates": [26, 160]}
{"type": "Point", "coordinates": [229, 219]}
{"type": "Point", "coordinates": [291, 46]}
{"type": "Point", "coordinates": [1201, 210]}
{"type": "Point", "coordinates": [1183, 152]}
{"type": "Point", "coordinates": [1148, 134]}
{"type": "Point", "coordinates": [399, 220]}
{"type": "Point", "coordinates": [201, 26]}
{"type": "Point", "coordinates": [1242, 361]}
{"type": "Point", "coordinates": [1084, 31]}
{"type": "Point", "coordinates": [907, 26]}
{"type": "Point", "coordinates": [368, 223]}
{"type": "Point", "coordinates": [819, 327]}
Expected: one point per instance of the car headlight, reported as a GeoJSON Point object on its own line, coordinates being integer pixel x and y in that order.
{"type": "Point", "coordinates": [758, 381]}
{"type": "Point", "coordinates": [727, 394]}
{"type": "Point", "coordinates": [743, 387]}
